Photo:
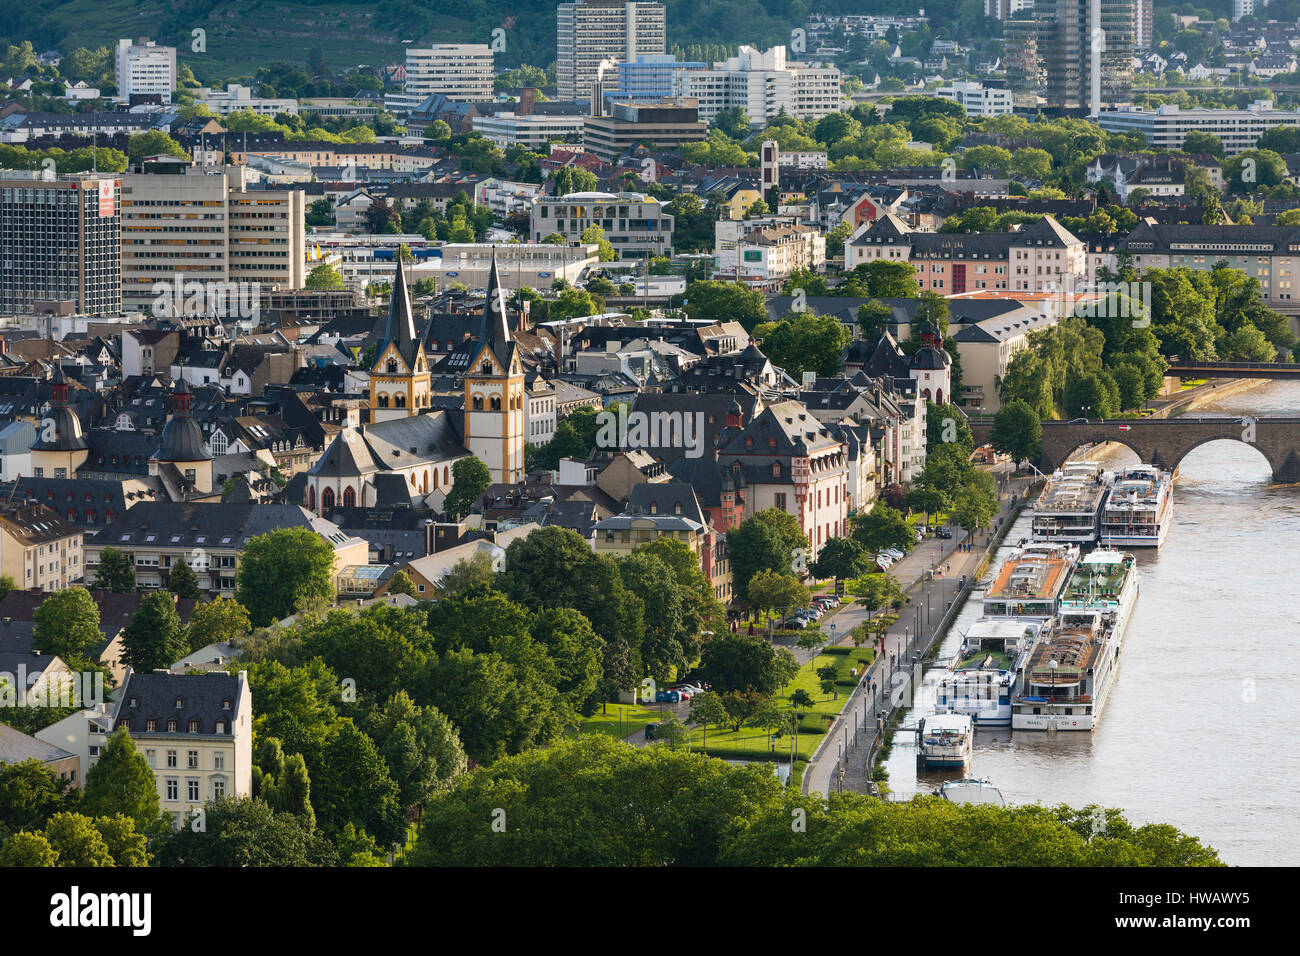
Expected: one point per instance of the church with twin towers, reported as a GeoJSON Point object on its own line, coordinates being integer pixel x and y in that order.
{"type": "Point", "coordinates": [406, 451]}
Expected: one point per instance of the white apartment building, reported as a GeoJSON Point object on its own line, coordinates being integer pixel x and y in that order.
{"type": "Point", "coordinates": [635, 224]}
{"type": "Point", "coordinates": [196, 732]}
{"type": "Point", "coordinates": [590, 32]}
{"type": "Point", "coordinates": [145, 67]}
{"type": "Point", "coordinates": [763, 84]}
{"type": "Point", "coordinates": [977, 99]}
{"type": "Point", "coordinates": [193, 223]}
{"type": "Point", "coordinates": [534, 130]}
{"type": "Point", "coordinates": [236, 97]}
{"type": "Point", "coordinates": [460, 71]}
{"type": "Point", "coordinates": [1166, 127]}
{"type": "Point", "coordinates": [767, 255]}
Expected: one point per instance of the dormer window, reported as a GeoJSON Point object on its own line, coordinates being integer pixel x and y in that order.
{"type": "Point", "coordinates": [180, 702]}
{"type": "Point", "coordinates": [194, 726]}
{"type": "Point", "coordinates": [225, 704]}
{"type": "Point", "coordinates": [171, 725]}
{"type": "Point", "coordinates": [151, 724]}
{"type": "Point", "coordinates": [776, 469]}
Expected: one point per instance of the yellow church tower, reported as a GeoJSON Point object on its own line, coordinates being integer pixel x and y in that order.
{"type": "Point", "coordinates": [399, 378]}
{"type": "Point", "coordinates": [494, 392]}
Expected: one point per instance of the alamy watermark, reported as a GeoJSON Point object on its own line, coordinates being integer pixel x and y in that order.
{"type": "Point", "coordinates": [59, 689]}
{"type": "Point", "coordinates": [631, 431]}
{"type": "Point", "coordinates": [222, 298]}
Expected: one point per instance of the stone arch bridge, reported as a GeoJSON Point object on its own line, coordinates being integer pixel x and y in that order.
{"type": "Point", "coordinates": [1166, 441]}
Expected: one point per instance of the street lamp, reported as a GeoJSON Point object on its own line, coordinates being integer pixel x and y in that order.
{"type": "Point", "coordinates": [1052, 665]}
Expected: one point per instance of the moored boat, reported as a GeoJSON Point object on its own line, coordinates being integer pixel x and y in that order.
{"type": "Point", "coordinates": [945, 740]}
{"type": "Point", "coordinates": [1140, 508]}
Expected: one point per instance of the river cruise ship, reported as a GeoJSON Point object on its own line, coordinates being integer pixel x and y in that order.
{"type": "Point", "coordinates": [1031, 581]}
{"type": "Point", "coordinates": [1140, 508]}
{"type": "Point", "coordinates": [1069, 508]}
{"type": "Point", "coordinates": [944, 741]}
{"type": "Point", "coordinates": [1065, 680]}
{"type": "Point", "coordinates": [982, 678]}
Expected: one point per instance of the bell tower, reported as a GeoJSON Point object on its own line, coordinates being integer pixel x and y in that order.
{"type": "Point", "coordinates": [399, 378]}
{"type": "Point", "coordinates": [494, 391]}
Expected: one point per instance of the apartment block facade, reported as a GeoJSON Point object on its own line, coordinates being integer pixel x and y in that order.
{"type": "Point", "coordinates": [145, 68]}
{"type": "Point", "coordinates": [460, 71]}
{"type": "Point", "coordinates": [589, 32]}
{"type": "Point", "coordinates": [1166, 127]}
{"type": "Point", "coordinates": [184, 223]}
{"type": "Point", "coordinates": [60, 239]}
{"type": "Point", "coordinates": [763, 84]}
{"type": "Point", "coordinates": [1041, 257]}
{"type": "Point", "coordinates": [634, 223]}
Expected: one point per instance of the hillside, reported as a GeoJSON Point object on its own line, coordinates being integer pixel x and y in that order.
{"type": "Point", "coordinates": [243, 35]}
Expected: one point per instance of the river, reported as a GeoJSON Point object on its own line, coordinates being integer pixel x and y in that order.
{"type": "Point", "coordinates": [1199, 728]}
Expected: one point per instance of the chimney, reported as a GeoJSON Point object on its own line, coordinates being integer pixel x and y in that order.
{"type": "Point", "coordinates": [527, 99]}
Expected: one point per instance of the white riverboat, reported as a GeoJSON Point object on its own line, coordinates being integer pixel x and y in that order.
{"type": "Point", "coordinates": [1066, 678]}
{"type": "Point", "coordinates": [945, 740]}
{"type": "Point", "coordinates": [1140, 508]}
{"type": "Point", "coordinates": [1030, 582]}
{"type": "Point", "coordinates": [1069, 508]}
{"type": "Point", "coordinates": [982, 678]}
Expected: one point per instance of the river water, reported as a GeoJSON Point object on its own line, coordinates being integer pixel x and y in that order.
{"type": "Point", "coordinates": [1201, 727]}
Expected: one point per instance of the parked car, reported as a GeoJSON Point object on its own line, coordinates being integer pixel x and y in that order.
{"type": "Point", "coordinates": [894, 553]}
{"type": "Point", "coordinates": [885, 559]}
{"type": "Point", "coordinates": [825, 600]}
{"type": "Point", "coordinates": [650, 731]}
{"type": "Point", "coordinates": [794, 623]}
{"type": "Point", "coordinates": [684, 693]}
{"type": "Point", "coordinates": [667, 697]}
{"type": "Point", "coordinates": [692, 689]}
{"type": "Point", "coordinates": [944, 532]}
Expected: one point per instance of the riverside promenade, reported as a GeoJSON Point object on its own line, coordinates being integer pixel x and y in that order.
{"type": "Point", "coordinates": [840, 760]}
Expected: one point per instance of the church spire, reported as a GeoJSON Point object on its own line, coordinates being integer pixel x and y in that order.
{"type": "Point", "coordinates": [496, 330]}
{"type": "Point", "coordinates": [399, 329]}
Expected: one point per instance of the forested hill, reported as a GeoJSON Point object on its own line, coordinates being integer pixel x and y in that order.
{"type": "Point", "coordinates": [242, 35]}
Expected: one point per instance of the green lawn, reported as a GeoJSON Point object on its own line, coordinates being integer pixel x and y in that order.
{"type": "Point", "coordinates": [619, 720]}
{"type": "Point", "coordinates": [754, 743]}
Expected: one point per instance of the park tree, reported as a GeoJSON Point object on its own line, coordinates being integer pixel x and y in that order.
{"type": "Point", "coordinates": [881, 527]}
{"type": "Point", "coordinates": [116, 572]}
{"type": "Point", "coordinates": [827, 675]}
{"type": "Point", "coordinates": [242, 832]}
{"type": "Point", "coordinates": [470, 479]}
{"type": "Point", "coordinates": [222, 620]}
{"type": "Point", "coordinates": [30, 794]}
{"type": "Point", "coordinates": [27, 849]}
{"type": "Point", "coordinates": [121, 781]}
{"type": "Point", "coordinates": [719, 301]}
{"type": "Point", "coordinates": [777, 593]}
{"type": "Point", "coordinates": [76, 841]}
{"type": "Point", "coordinates": [155, 638]}
{"type": "Point", "coordinates": [281, 568]}
{"type": "Point", "coordinates": [420, 746]}
{"type": "Point", "coordinates": [738, 662]}
{"type": "Point", "coordinates": [977, 502]}
{"type": "Point", "coordinates": [67, 624]}
{"type": "Point", "coordinates": [154, 143]}
{"type": "Point", "coordinates": [577, 651]}
{"type": "Point", "coordinates": [183, 582]}
{"type": "Point", "coordinates": [755, 546]}
{"type": "Point", "coordinates": [887, 279]}
{"type": "Point", "coordinates": [839, 558]}
{"type": "Point", "coordinates": [803, 342]}
{"type": "Point", "coordinates": [1017, 431]}
{"type": "Point", "coordinates": [706, 709]}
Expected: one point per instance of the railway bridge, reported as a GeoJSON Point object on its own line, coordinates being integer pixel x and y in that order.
{"type": "Point", "coordinates": [1166, 441]}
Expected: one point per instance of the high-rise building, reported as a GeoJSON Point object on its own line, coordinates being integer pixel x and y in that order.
{"type": "Point", "coordinates": [183, 224]}
{"type": "Point", "coordinates": [589, 32]}
{"type": "Point", "coordinates": [1025, 75]}
{"type": "Point", "coordinates": [1087, 52]}
{"type": "Point", "coordinates": [460, 71]}
{"type": "Point", "coordinates": [1144, 22]}
{"type": "Point", "coordinates": [60, 240]}
{"type": "Point", "coordinates": [144, 67]}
